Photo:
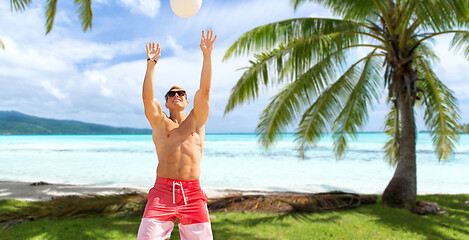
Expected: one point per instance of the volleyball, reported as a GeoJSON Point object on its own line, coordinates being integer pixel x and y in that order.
{"type": "Point", "coordinates": [185, 8]}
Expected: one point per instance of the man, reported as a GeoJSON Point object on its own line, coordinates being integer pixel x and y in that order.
{"type": "Point", "coordinates": [179, 141]}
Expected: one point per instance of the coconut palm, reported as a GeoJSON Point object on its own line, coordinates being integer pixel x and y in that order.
{"type": "Point", "coordinates": [332, 71]}
{"type": "Point", "coordinates": [84, 12]}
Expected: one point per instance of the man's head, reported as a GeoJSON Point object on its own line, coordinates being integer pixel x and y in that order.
{"type": "Point", "coordinates": [176, 97]}
{"type": "Point", "coordinates": [173, 91]}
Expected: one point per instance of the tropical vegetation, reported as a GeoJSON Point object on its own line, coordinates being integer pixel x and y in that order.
{"type": "Point", "coordinates": [331, 71]}
{"type": "Point", "coordinates": [15, 123]}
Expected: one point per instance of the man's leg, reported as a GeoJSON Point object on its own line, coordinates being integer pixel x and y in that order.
{"type": "Point", "coordinates": [194, 221]}
{"type": "Point", "coordinates": [153, 229]}
{"type": "Point", "coordinates": [159, 216]}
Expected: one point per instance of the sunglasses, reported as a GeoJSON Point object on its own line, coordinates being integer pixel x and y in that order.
{"type": "Point", "coordinates": [173, 93]}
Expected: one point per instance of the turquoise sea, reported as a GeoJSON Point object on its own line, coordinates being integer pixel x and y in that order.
{"type": "Point", "coordinates": [230, 161]}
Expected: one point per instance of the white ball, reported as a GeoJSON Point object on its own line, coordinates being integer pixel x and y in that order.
{"type": "Point", "coordinates": [185, 8]}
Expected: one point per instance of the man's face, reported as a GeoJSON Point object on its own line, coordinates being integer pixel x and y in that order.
{"type": "Point", "coordinates": [176, 98]}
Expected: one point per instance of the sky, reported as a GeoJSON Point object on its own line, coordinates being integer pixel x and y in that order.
{"type": "Point", "coordinates": [97, 76]}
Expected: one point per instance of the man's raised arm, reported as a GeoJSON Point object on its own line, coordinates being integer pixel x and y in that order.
{"type": "Point", "coordinates": [153, 110]}
{"type": "Point", "coordinates": [201, 99]}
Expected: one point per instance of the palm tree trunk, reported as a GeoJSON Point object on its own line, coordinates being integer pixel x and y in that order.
{"type": "Point", "coordinates": [402, 189]}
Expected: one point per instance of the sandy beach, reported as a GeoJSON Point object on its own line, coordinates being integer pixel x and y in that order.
{"type": "Point", "coordinates": [40, 191]}
{"type": "Point", "coordinates": [28, 191]}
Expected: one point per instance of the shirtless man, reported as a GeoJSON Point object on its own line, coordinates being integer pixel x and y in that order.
{"type": "Point", "coordinates": [179, 141]}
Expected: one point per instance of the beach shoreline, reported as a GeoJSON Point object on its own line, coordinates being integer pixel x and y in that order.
{"type": "Point", "coordinates": [233, 162]}
{"type": "Point", "coordinates": [44, 191]}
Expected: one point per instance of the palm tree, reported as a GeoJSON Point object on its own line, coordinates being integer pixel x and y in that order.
{"type": "Point", "coordinates": [84, 13]}
{"type": "Point", "coordinates": [327, 84]}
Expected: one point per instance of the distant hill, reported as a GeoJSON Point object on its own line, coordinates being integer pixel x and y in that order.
{"type": "Point", "coordinates": [13, 122]}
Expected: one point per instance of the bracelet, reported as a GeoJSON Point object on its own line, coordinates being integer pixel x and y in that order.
{"type": "Point", "coordinates": [151, 59]}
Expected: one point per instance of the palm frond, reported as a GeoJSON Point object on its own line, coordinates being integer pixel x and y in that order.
{"type": "Point", "coordinates": [19, 5]}
{"type": "Point", "coordinates": [303, 53]}
{"type": "Point", "coordinates": [425, 51]}
{"type": "Point", "coordinates": [290, 60]}
{"type": "Point", "coordinates": [442, 15]}
{"type": "Point", "coordinates": [286, 105]}
{"type": "Point", "coordinates": [407, 24]}
{"type": "Point", "coordinates": [282, 110]}
{"type": "Point", "coordinates": [311, 50]}
{"type": "Point", "coordinates": [316, 119]}
{"type": "Point", "coordinates": [349, 9]}
{"type": "Point", "coordinates": [51, 8]}
{"type": "Point", "coordinates": [272, 35]}
{"type": "Point", "coordinates": [1, 44]}
{"type": "Point", "coordinates": [85, 13]}
{"type": "Point", "coordinates": [258, 74]}
{"type": "Point", "coordinates": [392, 129]}
{"type": "Point", "coordinates": [441, 111]}
{"type": "Point", "coordinates": [461, 12]}
{"type": "Point", "coordinates": [355, 112]}
{"type": "Point", "coordinates": [460, 41]}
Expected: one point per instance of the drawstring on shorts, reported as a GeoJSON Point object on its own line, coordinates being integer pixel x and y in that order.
{"type": "Point", "coordinates": [182, 189]}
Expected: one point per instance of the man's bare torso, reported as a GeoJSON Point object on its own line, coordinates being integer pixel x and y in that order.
{"type": "Point", "coordinates": [179, 141]}
{"type": "Point", "coordinates": [179, 148]}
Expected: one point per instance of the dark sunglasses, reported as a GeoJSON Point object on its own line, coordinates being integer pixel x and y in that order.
{"type": "Point", "coordinates": [181, 93]}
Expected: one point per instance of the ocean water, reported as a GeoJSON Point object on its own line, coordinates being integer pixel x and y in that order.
{"type": "Point", "coordinates": [230, 161]}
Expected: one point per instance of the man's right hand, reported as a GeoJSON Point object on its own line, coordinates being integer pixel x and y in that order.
{"type": "Point", "coordinates": [153, 110]}
{"type": "Point", "coordinates": [152, 52]}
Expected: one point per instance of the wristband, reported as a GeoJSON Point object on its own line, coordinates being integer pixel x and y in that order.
{"type": "Point", "coordinates": [151, 59]}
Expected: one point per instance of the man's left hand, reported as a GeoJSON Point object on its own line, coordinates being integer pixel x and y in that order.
{"type": "Point", "coordinates": [206, 42]}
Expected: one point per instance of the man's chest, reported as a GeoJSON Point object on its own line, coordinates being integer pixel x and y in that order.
{"type": "Point", "coordinates": [173, 136]}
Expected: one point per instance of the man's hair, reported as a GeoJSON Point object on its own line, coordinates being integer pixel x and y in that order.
{"type": "Point", "coordinates": [172, 88]}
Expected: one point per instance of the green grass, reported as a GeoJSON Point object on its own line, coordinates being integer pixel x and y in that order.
{"type": "Point", "coordinates": [365, 222]}
{"type": "Point", "coordinates": [11, 205]}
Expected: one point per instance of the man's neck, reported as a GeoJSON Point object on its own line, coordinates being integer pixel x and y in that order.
{"type": "Point", "coordinates": [177, 116]}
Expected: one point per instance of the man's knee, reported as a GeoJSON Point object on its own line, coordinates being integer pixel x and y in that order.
{"type": "Point", "coordinates": [197, 231]}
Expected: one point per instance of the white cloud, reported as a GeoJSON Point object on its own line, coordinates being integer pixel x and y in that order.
{"type": "Point", "coordinates": [101, 1]}
{"type": "Point", "coordinates": [149, 8]}
{"type": "Point", "coordinates": [53, 90]}
{"type": "Point", "coordinates": [175, 46]}
{"type": "Point", "coordinates": [100, 81]}
{"type": "Point", "coordinates": [63, 17]}
{"type": "Point", "coordinates": [453, 68]}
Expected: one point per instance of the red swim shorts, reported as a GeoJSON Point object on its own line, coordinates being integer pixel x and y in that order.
{"type": "Point", "coordinates": [170, 199]}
